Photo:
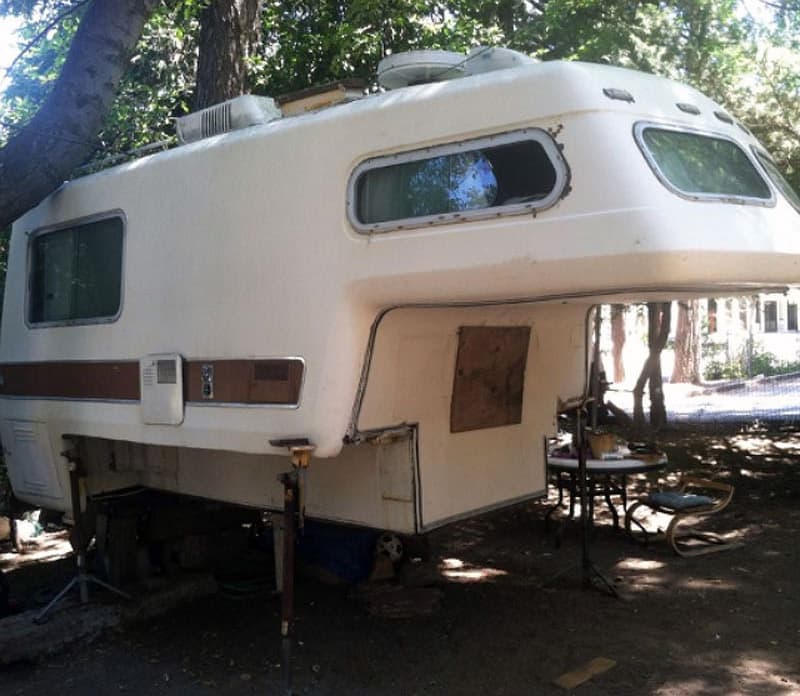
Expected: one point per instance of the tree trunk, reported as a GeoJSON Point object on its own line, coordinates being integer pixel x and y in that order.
{"type": "Point", "coordinates": [618, 341]}
{"type": "Point", "coordinates": [229, 30]}
{"type": "Point", "coordinates": [658, 324]}
{"type": "Point", "coordinates": [687, 344]}
{"type": "Point", "coordinates": [62, 135]}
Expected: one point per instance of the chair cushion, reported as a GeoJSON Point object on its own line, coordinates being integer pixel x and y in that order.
{"type": "Point", "coordinates": [678, 501]}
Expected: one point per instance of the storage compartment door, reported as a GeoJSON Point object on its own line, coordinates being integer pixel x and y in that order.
{"type": "Point", "coordinates": [29, 458]}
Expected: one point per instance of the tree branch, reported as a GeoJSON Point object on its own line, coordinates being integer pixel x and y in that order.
{"type": "Point", "coordinates": [36, 39]}
{"type": "Point", "coordinates": [60, 136]}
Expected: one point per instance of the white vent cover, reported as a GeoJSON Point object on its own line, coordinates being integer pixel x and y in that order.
{"type": "Point", "coordinates": [161, 381]}
{"type": "Point", "coordinates": [417, 67]}
{"type": "Point", "coordinates": [483, 59]}
{"type": "Point", "coordinates": [234, 114]}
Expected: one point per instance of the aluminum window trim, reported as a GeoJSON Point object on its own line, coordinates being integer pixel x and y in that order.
{"type": "Point", "coordinates": [758, 153]}
{"type": "Point", "coordinates": [638, 131]}
{"type": "Point", "coordinates": [32, 235]}
{"type": "Point", "coordinates": [551, 149]}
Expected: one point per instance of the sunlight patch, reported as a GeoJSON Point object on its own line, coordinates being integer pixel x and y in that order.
{"type": "Point", "coordinates": [456, 569]}
{"type": "Point", "coordinates": [640, 564]}
{"type": "Point", "coordinates": [707, 584]}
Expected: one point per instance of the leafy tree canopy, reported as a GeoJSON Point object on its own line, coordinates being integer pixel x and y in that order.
{"type": "Point", "coordinates": [743, 53]}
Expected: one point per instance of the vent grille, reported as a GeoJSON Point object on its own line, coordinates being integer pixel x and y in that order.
{"type": "Point", "coordinates": [216, 120]}
{"type": "Point", "coordinates": [167, 372]}
{"type": "Point", "coordinates": [235, 114]}
{"type": "Point", "coordinates": [619, 94]}
{"type": "Point", "coordinates": [24, 434]}
{"type": "Point", "coordinates": [688, 108]}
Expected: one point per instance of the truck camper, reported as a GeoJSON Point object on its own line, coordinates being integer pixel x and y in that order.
{"type": "Point", "coordinates": [402, 279]}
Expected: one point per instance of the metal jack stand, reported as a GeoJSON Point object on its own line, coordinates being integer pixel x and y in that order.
{"type": "Point", "coordinates": [591, 577]}
{"type": "Point", "coordinates": [80, 542]}
{"type": "Point", "coordinates": [293, 513]}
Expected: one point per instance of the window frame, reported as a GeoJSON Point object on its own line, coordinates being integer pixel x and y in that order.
{"type": "Point", "coordinates": [791, 321]}
{"type": "Point", "coordinates": [551, 149]}
{"type": "Point", "coordinates": [771, 325]}
{"type": "Point", "coordinates": [760, 152]}
{"type": "Point", "coordinates": [86, 220]}
{"type": "Point", "coordinates": [638, 131]}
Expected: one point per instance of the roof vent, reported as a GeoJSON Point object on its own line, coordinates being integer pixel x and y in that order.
{"type": "Point", "coordinates": [419, 67]}
{"type": "Point", "coordinates": [234, 114]}
{"type": "Point", "coordinates": [483, 59]}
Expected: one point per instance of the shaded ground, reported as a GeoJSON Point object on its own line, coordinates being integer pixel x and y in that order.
{"type": "Point", "coordinates": [722, 624]}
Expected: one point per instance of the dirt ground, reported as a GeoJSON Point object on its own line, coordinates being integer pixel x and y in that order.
{"type": "Point", "coordinates": [723, 624]}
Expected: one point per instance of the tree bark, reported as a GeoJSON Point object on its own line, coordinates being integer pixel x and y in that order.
{"type": "Point", "coordinates": [63, 133]}
{"type": "Point", "coordinates": [687, 344]}
{"type": "Point", "coordinates": [658, 324]}
{"type": "Point", "coordinates": [618, 341]}
{"type": "Point", "coordinates": [229, 30]}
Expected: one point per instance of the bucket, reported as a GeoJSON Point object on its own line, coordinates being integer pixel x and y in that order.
{"type": "Point", "coordinates": [602, 443]}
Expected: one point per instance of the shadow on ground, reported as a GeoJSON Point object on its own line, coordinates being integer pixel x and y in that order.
{"type": "Point", "coordinates": [723, 624]}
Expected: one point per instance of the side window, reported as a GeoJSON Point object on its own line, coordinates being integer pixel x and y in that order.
{"type": "Point", "coordinates": [76, 273]}
{"type": "Point", "coordinates": [777, 177]}
{"type": "Point", "coordinates": [770, 317]}
{"type": "Point", "coordinates": [712, 315]}
{"type": "Point", "coordinates": [498, 175]}
{"type": "Point", "coordinates": [702, 166]}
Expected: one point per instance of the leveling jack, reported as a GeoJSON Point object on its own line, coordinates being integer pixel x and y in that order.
{"type": "Point", "coordinates": [293, 516]}
{"type": "Point", "coordinates": [80, 541]}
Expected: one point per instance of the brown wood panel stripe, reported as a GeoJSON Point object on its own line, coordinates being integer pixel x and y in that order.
{"type": "Point", "coordinates": [276, 381]}
{"type": "Point", "coordinates": [246, 381]}
{"type": "Point", "coordinates": [71, 380]}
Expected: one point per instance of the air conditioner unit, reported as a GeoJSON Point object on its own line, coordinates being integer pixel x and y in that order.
{"type": "Point", "coordinates": [234, 114]}
{"type": "Point", "coordinates": [161, 383]}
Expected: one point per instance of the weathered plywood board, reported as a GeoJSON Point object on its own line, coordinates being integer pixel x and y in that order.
{"type": "Point", "coordinates": [490, 377]}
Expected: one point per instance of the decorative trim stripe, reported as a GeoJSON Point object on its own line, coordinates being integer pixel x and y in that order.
{"type": "Point", "coordinates": [117, 381]}
{"type": "Point", "coordinates": [246, 382]}
{"type": "Point", "coordinates": [273, 381]}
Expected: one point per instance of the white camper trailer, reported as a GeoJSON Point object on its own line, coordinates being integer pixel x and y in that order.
{"type": "Point", "coordinates": [403, 279]}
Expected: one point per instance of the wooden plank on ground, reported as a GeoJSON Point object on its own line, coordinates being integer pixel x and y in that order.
{"type": "Point", "coordinates": [576, 677]}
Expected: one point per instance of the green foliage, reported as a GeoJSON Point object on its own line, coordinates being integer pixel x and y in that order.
{"type": "Point", "coordinates": [751, 64]}
{"type": "Point", "coordinates": [751, 361]}
{"type": "Point", "coordinates": [47, 34]}
{"type": "Point", "coordinates": [308, 43]}
{"type": "Point", "coordinates": [159, 84]}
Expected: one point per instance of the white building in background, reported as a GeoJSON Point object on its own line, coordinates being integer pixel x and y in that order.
{"type": "Point", "coordinates": [770, 321]}
{"type": "Point", "coordinates": [732, 328]}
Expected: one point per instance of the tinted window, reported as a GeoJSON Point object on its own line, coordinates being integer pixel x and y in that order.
{"type": "Point", "coordinates": [77, 272]}
{"type": "Point", "coordinates": [703, 165]}
{"type": "Point", "coordinates": [456, 181]}
{"type": "Point", "coordinates": [778, 179]}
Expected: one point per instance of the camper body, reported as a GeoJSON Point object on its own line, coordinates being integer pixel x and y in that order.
{"type": "Point", "coordinates": [270, 283]}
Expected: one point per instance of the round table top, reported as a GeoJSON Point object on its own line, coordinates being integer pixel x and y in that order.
{"type": "Point", "coordinates": [629, 465]}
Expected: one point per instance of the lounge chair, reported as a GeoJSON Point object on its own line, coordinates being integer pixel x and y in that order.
{"type": "Point", "coordinates": [682, 505]}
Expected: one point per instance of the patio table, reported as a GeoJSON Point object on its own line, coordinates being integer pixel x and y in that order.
{"type": "Point", "coordinates": [606, 477]}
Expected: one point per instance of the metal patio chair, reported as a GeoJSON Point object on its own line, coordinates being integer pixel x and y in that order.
{"type": "Point", "coordinates": [685, 505]}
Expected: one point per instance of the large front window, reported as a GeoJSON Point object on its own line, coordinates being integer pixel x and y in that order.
{"type": "Point", "coordinates": [76, 273]}
{"type": "Point", "coordinates": [702, 166]}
